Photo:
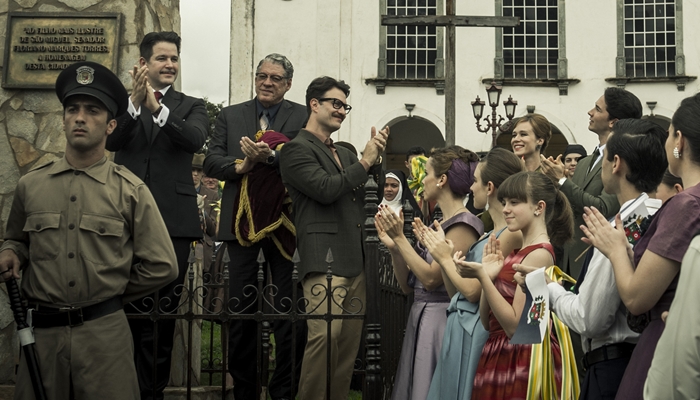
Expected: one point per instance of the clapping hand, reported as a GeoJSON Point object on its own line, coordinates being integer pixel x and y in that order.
{"type": "Point", "coordinates": [433, 240]}
{"type": "Point", "coordinates": [381, 233]}
{"type": "Point", "coordinates": [492, 257]}
{"type": "Point", "coordinates": [491, 262]}
{"type": "Point", "coordinates": [553, 168]}
{"type": "Point", "coordinates": [256, 151]}
{"type": "Point", "coordinates": [391, 223]}
{"type": "Point", "coordinates": [376, 145]}
{"type": "Point", "coordinates": [139, 83]}
{"type": "Point", "coordinates": [601, 234]}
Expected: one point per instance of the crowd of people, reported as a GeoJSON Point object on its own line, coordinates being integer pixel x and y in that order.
{"type": "Point", "coordinates": [626, 275]}
{"type": "Point", "coordinates": [614, 231]}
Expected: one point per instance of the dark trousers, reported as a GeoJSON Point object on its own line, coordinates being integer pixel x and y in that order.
{"type": "Point", "coordinates": [148, 334]}
{"type": "Point", "coordinates": [602, 379]}
{"type": "Point", "coordinates": [578, 354]}
{"type": "Point", "coordinates": [242, 356]}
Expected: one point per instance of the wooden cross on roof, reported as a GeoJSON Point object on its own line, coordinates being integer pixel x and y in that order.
{"type": "Point", "coordinates": [450, 21]}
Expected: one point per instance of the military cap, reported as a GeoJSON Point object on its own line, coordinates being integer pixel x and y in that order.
{"type": "Point", "coordinates": [96, 80]}
{"type": "Point", "coordinates": [574, 148]}
{"type": "Point", "coordinates": [198, 161]}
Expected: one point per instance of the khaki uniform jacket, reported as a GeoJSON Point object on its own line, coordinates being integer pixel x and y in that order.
{"type": "Point", "coordinates": [328, 204]}
{"type": "Point", "coordinates": [87, 235]}
{"type": "Point", "coordinates": [584, 190]}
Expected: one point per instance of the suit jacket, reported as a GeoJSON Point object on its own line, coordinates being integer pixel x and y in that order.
{"type": "Point", "coordinates": [235, 122]}
{"type": "Point", "coordinates": [328, 204]}
{"type": "Point", "coordinates": [584, 190]}
{"type": "Point", "coordinates": [162, 157]}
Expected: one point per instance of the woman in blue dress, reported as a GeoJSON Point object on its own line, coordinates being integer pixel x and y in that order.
{"type": "Point", "coordinates": [464, 334]}
{"type": "Point", "coordinates": [449, 175]}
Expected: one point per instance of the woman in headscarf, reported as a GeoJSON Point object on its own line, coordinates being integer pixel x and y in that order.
{"type": "Point", "coordinates": [396, 193]}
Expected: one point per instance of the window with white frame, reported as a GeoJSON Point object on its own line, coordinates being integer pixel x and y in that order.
{"type": "Point", "coordinates": [649, 38]}
{"type": "Point", "coordinates": [531, 50]}
{"type": "Point", "coordinates": [411, 51]}
{"type": "Point", "coordinates": [533, 53]}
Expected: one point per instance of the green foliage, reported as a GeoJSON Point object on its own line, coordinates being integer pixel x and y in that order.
{"type": "Point", "coordinates": [216, 351]}
{"type": "Point", "coordinates": [213, 112]}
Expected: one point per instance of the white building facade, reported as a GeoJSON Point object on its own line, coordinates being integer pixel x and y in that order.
{"type": "Point", "coordinates": [558, 62]}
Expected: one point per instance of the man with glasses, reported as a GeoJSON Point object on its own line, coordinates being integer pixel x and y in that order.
{"type": "Point", "coordinates": [326, 184]}
{"type": "Point", "coordinates": [234, 139]}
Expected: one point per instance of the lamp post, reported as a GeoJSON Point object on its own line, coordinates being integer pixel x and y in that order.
{"type": "Point", "coordinates": [493, 93]}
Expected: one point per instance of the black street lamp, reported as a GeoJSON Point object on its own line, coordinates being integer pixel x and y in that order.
{"type": "Point", "coordinates": [493, 93]}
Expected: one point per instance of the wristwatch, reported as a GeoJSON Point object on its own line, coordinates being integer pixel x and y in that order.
{"type": "Point", "coordinates": [271, 158]}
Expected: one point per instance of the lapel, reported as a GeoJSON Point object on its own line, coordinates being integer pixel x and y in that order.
{"type": "Point", "coordinates": [579, 177]}
{"type": "Point", "coordinates": [345, 158]}
{"type": "Point", "coordinates": [592, 174]}
{"type": "Point", "coordinates": [282, 115]}
{"type": "Point", "coordinates": [321, 146]}
{"type": "Point", "coordinates": [147, 123]}
{"type": "Point", "coordinates": [250, 119]}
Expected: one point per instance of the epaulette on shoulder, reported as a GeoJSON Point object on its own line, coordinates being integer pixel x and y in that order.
{"type": "Point", "coordinates": [126, 174]}
{"type": "Point", "coordinates": [41, 166]}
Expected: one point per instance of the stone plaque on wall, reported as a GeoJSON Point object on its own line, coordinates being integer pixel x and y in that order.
{"type": "Point", "coordinates": [40, 45]}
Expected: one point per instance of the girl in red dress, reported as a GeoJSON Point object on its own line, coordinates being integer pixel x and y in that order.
{"type": "Point", "coordinates": [533, 205]}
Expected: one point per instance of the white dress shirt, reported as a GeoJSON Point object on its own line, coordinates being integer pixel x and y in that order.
{"type": "Point", "coordinates": [160, 119]}
{"type": "Point", "coordinates": [597, 313]}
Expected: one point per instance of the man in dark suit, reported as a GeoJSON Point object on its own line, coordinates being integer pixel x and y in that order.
{"type": "Point", "coordinates": [155, 140]}
{"type": "Point", "coordinates": [585, 188]}
{"type": "Point", "coordinates": [234, 139]}
{"type": "Point", "coordinates": [326, 186]}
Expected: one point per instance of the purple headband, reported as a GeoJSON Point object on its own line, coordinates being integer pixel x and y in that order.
{"type": "Point", "coordinates": [461, 176]}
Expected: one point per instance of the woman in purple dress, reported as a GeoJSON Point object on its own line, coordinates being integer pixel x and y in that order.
{"type": "Point", "coordinates": [449, 175]}
{"type": "Point", "coordinates": [648, 278]}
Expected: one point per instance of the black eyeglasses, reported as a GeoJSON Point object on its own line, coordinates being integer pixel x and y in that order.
{"type": "Point", "coordinates": [273, 78]}
{"type": "Point", "coordinates": [337, 104]}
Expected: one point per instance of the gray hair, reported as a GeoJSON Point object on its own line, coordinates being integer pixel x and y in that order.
{"type": "Point", "coordinates": [278, 59]}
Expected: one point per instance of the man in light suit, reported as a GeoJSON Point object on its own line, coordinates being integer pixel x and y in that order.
{"type": "Point", "coordinates": [155, 140]}
{"type": "Point", "coordinates": [585, 188]}
{"type": "Point", "coordinates": [326, 186]}
{"type": "Point", "coordinates": [234, 138]}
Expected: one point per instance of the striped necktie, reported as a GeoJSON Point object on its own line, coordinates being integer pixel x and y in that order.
{"type": "Point", "coordinates": [264, 120]}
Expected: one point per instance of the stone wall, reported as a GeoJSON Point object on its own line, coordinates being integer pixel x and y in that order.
{"type": "Point", "coordinates": [31, 124]}
{"type": "Point", "coordinates": [31, 128]}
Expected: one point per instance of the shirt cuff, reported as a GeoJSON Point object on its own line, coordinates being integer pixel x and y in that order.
{"type": "Point", "coordinates": [562, 180]}
{"type": "Point", "coordinates": [133, 111]}
{"type": "Point", "coordinates": [19, 249]}
{"type": "Point", "coordinates": [162, 117]}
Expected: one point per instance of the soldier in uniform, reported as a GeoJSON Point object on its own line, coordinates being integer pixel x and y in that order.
{"type": "Point", "coordinates": [88, 238]}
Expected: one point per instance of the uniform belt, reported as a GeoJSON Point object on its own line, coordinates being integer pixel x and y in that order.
{"type": "Point", "coordinates": [49, 317]}
{"type": "Point", "coordinates": [607, 353]}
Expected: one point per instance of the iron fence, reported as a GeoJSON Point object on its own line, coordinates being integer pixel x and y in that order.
{"type": "Point", "coordinates": [205, 297]}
